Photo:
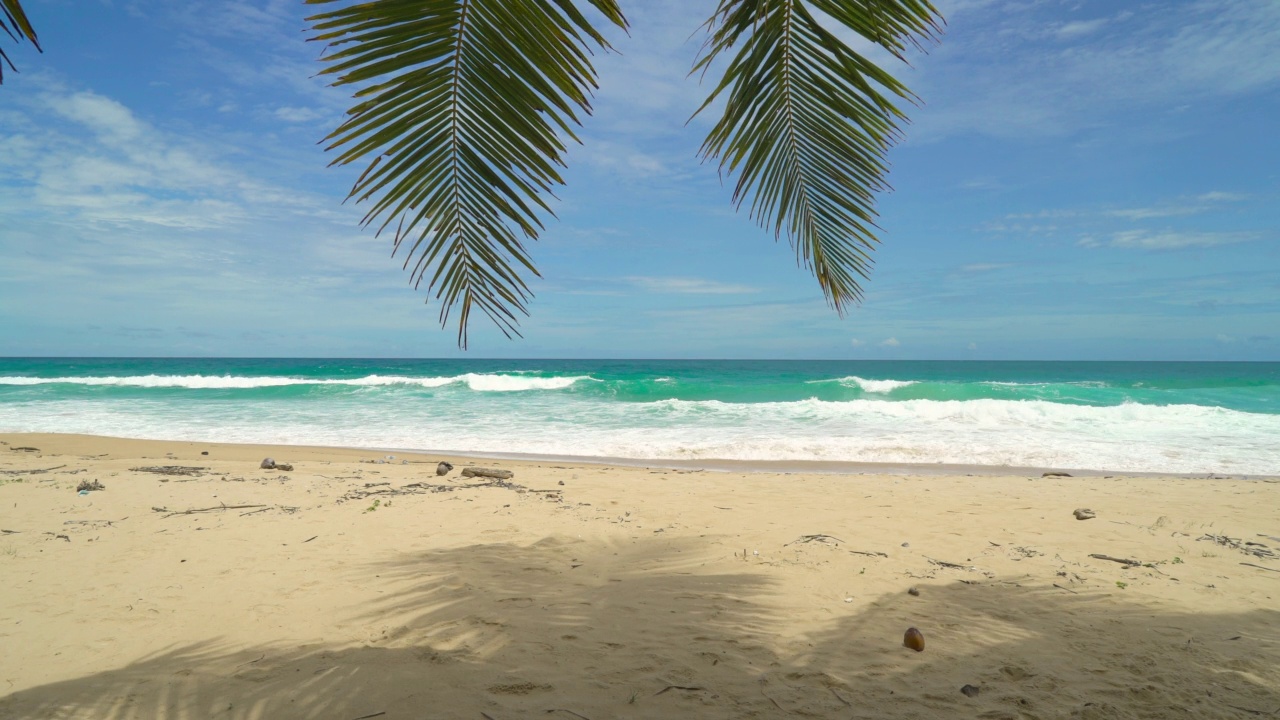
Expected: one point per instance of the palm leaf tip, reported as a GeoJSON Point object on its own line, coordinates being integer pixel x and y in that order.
{"type": "Point", "coordinates": [15, 24]}
{"type": "Point", "coordinates": [807, 122]}
{"type": "Point", "coordinates": [462, 112]}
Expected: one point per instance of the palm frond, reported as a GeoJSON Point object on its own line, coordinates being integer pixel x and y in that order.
{"type": "Point", "coordinates": [808, 121]}
{"type": "Point", "coordinates": [463, 106]}
{"type": "Point", "coordinates": [14, 20]}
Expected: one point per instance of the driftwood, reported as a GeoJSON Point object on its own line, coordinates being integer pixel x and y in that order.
{"type": "Point", "coordinates": [1259, 567]}
{"type": "Point", "coordinates": [815, 538]}
{"type": "Point", "coordinates": [1248, 548]}
{"type": "Point", "coordinates": [1122, 561]}
{"type": "Point", "coordinates": [488, 473]}
{"type": "Point", "coordinates": [422, 488]}
{"type": "Point", "coordinates": [30, 472]}
{"type": "Point", "coordinates": [678, 687]}
{"type": "Point", "coordinates": [170, 470]}
{"type": "Point", "coordinates": [193, 511]}
{"type": "Point", "coordinates": [953, 566]}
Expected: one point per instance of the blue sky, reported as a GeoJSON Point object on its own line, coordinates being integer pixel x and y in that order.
{"type": "Point", "coordinates": [1085, 180]}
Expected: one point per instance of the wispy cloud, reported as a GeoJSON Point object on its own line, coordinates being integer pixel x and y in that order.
{"type": "Point", "coordinates": [1219, 196]}
{"type": "Point", "coordinates": [1184, 52]}
{"type": "Point", "coordinates": [984, 267]}
{"type": "Point", "coordinates": [890, 342]}
{"type": "Point", "coordinates": [689, 286]}
{"type": "Point", "coordinates": [1167, 240]}
{"type": "Point", "coordinates": [1080, 28]}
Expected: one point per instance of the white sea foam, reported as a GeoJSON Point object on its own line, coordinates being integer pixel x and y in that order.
{"type": "Point", "coordinates": [1133, 437]}
{"type": "Point", "coordinates": [874, 386]}
{"type": "Point", "coordinates": [476, 381]}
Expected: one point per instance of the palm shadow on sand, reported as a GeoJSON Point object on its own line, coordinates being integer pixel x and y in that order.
{"type": "Point", "coordinates": [566, 628]}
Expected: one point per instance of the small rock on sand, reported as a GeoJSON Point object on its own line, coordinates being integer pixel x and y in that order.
{"type": "Point", "coordinates": [914, 639]}
{"type": "Point", "coordinates": [1084, 514]}
{"type": "Point", "coordinates": [444, 468]}
{"type": "Point", "coordinates": [267, 464]}
{"type": "Point", "coordinates": [971, 690]}
{"type": "Point", "coordinates": [914, 591]}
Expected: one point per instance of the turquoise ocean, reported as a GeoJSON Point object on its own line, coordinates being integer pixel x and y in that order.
{"type": "Point", "coordinates": [1134, 416]}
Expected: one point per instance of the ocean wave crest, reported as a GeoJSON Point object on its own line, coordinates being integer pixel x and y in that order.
{"type": "Point", "coordinates": [480, 382]}
{"type": "Point", "coordinates": [878, 387]}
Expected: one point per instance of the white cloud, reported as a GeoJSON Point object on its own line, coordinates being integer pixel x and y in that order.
{"type": "Point", "coordinates": [995, 75]}
{"type": "Point", "coordinates": [1219, 196]}
{"type": "Point", "coordinates": [890, 342]}
{"type": "Point", "coordinates": [102, 115]}
{"type": "Point", "coordinates": [973, 346]}
{"type": "Point", "coordinates": [1080, 28]}
{"type": "Point", "coordinates": [1156, 212]}
{"type": "Point", "coordinates": [297, 114]}
{"type": "Point", "coordinates": [856, 342]}
{"type": "Point", "coordinates": [689, 286]}
{"type": "Point", "coordinates": [1172, 240]}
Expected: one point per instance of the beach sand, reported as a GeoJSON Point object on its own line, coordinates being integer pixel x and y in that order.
{"type": "Point", "coordinates": [335, 591]}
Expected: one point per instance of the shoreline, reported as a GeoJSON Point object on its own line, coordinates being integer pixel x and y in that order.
{"type": "Point", "coordinates": [720, 465]}
{"type": "Point", "coordinates": [200, 585]}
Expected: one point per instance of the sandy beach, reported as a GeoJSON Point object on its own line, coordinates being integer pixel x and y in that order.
{"type": "Point", "coordinates": [358, 586]}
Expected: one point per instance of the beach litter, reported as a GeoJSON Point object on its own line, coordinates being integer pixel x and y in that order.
{"type": "Point", "coordinates": [85, 486]}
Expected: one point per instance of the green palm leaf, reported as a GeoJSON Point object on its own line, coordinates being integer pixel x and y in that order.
{"type": "Point", "coordinates": [807, 122]}
{"type": "Point", "coordinates": [462, 105]}
{"type": "Point", "coordinates": [14, 20]}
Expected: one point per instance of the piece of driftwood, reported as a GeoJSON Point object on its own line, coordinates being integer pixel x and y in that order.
{"type": "Point", "coordinates": [31, 472]}
{"type": "Point", "coordinates": [1248, 548]}
{"type": "Point", "coordinates": [216, 508]}
{"type": "Point", "coordinates": [945, 564]}
{"type": "Point", "coordinates": [488, 473]}
{"type": "Point", "coordinates": [419, 488]}
{"type": "Point", "coordinates": [1260, 567]}
{"type": "Point", "coordinates": [871, 553]}
{"type": "Point", "coordinates": [170, 470]}
{"type": "Point", "coordinates": [815, 538]}
{"type": "Point", "coordinates": [678, 687]}
{"type": "Point", "coordinates": [1123, 561]}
